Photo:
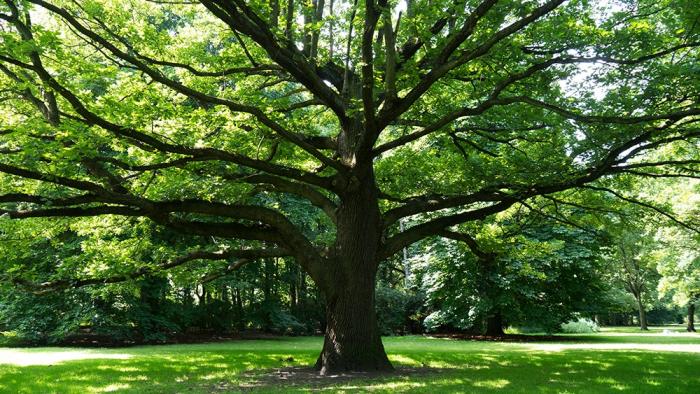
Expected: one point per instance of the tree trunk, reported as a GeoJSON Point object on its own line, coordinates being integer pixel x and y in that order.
{"type": "Point", "coordinates": [488, 270]}
{"type": "Point", "coordinates": [293, 295]}
{"type": "Point", "coordinates": [352, 338]}
{"type": "Point", "coordinates": [642, 315]}
{"type": "Point", "coordinates": [268, 277]}
{"type": "Point", "coordinates": [691, 317]}
{"type": "Point", "coordinates": [494, 325]}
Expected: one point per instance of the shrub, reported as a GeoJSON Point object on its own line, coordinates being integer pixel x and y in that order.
{"type": "Point", "coordinates": [522, 330]}
{"type": "Point", "coordinates": [397, 310]}
{"type": "Point", "coordinates": [580, 326]}
{"type": "Point", "coordinates": [9, 338]}
{"type": "Point", "coordinates": [435, 321]}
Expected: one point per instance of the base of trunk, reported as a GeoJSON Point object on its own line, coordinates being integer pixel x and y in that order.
{"type": "Point", "coordinates": [642, 314]}
{"type": "Point", "coordinates": [691, 318]}
{"type": "Point", "coordinates": [352, 337]}
{"type": "Point", "coordinates": [336, 358]}
{"type": "Point", "coordinates": [494, 325]}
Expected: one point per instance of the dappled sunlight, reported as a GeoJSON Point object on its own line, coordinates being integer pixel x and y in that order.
{"type": "Point", "coordinates": [600, 364]}
{"type": "Point", "coordinates": [136, 378]}
{"type": "Point", "coordinates": [442, 366]}
{"type": "Point", "coordinates": [401, 359]}
{"type": "Point", "coordinates": [390, 386]}
{"type": "Point", "coordinates": [558, 347]}
{"type": "Point", "coordinates": [654, 333]}
{"type": "Point", "coordinates": [612, 383]}
{"type": "Point", "coordinates": [652, 330]}
{"type": "Point", "coordinates": [115, 368]}
{"type": "Point", "coordinates": [492, 384]}
{"type": "Point", "coordinates": [393, 386]}
{"type": "Point", "coordinates": [115, 387]}
{"type": "Point", "coordinates": [652, 382]}
{"type": "Point", "coordinates": [49, 357]}
{"type": "Point", "coordinates": [439, 364]}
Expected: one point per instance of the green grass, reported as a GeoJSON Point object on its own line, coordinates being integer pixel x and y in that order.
{"type": "Point", "coordinates": [652, 329]}
{"type": "Point", "coordinates": [605, 362]}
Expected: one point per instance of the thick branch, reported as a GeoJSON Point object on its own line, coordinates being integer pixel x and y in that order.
{"type": "Point", "coordinates": [468, 240]}
{"type": "Point", "coordinates": [246, 254]}
{"type": "Point", "coordinates": [179, 87]}
{"type": "Point", "coordinates": [392, 113]}
{"type": "Point", "coordinates": [435, 226]}
{"type": "Point", "coordinates": [240, 17]}
{"type": "Point", "coordinates": [431, 203]}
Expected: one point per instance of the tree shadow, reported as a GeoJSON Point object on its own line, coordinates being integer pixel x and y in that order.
{"type": "Point", "coordinates": [448, 367]}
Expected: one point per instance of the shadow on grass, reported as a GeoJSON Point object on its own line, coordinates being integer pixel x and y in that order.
{"type": "Point", "coordinates": [308, 378]}
{"type": "Point", "coordinates": [447, 366]}
{"type": "Point", "coordinates": [196, 370]}
{"type": "Point", "coordinates": [675, 339]}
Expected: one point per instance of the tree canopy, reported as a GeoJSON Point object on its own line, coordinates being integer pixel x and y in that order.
{"type": "Point", "coordinates": [208, 117]}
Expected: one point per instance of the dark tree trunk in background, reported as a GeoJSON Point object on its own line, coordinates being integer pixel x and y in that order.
{"type": "Point", "coordinates": [489, 289]}
{"type": "Point", "coordinates": [292, 295]}
{"type": "Point", "coordinates": [187, 300]}
{"type": "Point", "coordinates": [352, 339]}
{"type": "Point", "coordinates": [201, 295]}
{"type": "Point", "coordinates": [238, 302]}
{"type": "Point", "coordinates": [301, 290]}
{"type": "Point", "coordinates": [691, 317]}
{"type": "Point", "coordinates": [642, 315]}
{"type": "Point", "coordinates": [494, 325]}
{"type": "Point", "coordinates": [267, 280]}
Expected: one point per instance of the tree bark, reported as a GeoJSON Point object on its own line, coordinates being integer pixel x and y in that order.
{"type": "Point", "coordinates": [691, 317]}
{"type": "Point", "coordinates": [293, 295]}
{"type": "Point", "coordinates": [642, 315]}
{"type": "Point", "coordinates": [494, 325]}
{"type": "Point", "coordinates": [352, 339]}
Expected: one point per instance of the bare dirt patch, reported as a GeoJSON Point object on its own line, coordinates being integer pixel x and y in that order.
{"type": "Point", "coordinates": [310, 378]}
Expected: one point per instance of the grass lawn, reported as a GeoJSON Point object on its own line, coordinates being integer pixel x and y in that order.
{"type": "Point", "coordinates": [611, 361]}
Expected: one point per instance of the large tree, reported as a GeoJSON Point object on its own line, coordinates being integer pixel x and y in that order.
{"type": "Point", "coordinates": [634, 267]}
{"type": "Point", "coordinates": [526, 269]}
{"type": "Point", "coordinates": [201, 115]}
{"type": "Point", "coordinates": [678, 260]}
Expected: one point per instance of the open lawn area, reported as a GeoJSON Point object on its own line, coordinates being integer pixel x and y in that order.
{"type": "Point", "coordinates": [615, 360]}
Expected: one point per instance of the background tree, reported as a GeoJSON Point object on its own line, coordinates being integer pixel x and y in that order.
{"type": "Point", "coordinates": [194, 298]}
{"type": "Point", "coordinates": [634, 267]}
{"type": "Point", "coordinates": [522, 270]}
{"type": "Point", "coordinates": [677, 257]}
{"type": "Point", "coordinates": [199, 115]}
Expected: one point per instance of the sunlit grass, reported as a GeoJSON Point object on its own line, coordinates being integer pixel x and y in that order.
{"type": "Point", "coordinates": [677, 328]}
{"type": "Point", "coordinates": [25, 357]}
{"type": "Point", "coordinates": [591, 363]}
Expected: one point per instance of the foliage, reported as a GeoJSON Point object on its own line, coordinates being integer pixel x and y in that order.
{"type": "Point", "coordinates": [43, 319]}
{"type": "Point", "coordinates": [398, 310]}
{"type": "Point", "coordinates": [677, 257]}
{"type": "Point", "coordinates": [196, 137]}
{"type": "Point", "coordinates": [540, 278]}
{"type": "Point", "coordinates": [579, 326]}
